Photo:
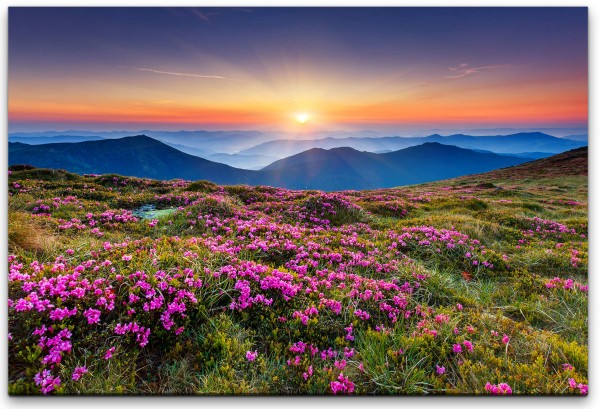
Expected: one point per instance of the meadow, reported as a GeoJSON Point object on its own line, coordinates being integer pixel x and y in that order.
{"type": "Point", "coordinates": [476, 285]}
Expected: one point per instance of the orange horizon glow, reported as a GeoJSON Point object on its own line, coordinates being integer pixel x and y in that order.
{"type": "Point", "coordinates": [568, 108]}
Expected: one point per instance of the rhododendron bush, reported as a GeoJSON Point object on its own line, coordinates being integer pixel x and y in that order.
{"type": "Point", "coordinates": [432, 289]}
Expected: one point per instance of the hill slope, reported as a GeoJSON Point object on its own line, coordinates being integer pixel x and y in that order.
{"type": "Point", "coordinates": [570, 163]}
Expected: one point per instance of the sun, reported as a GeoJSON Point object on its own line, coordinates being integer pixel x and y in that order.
{"type": "Point", "coordinates": [302, 118]}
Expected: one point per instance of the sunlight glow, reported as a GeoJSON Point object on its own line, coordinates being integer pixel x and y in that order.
{"type": "Point", "coordinates": [302, 118]}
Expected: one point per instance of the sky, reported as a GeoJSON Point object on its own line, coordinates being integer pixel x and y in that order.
{"type": "Point", "coordinates": [296, 69]}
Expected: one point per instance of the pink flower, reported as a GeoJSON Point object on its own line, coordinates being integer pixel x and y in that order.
{"type": "Point", "coordinates": [251, 356]}
{"type": "Point", "coordinates": [78, 373]}
{"type": "Point", "coordinates": [500, 389]}
{"type": "Point", "coordinates": [440, 370]}
{"type": "Point", "coordinates": [468, 345]}
{"type": "Point", "coordinates": [108, 354]}
{"type": "Point", "coordinates": [343, 385]}
{"type": "Point", "coordinates": [46, 381]}
{"type": "Point", "coordinates": [505, 339]}
{"type": "Point", "coordinates": [126, 257]}
{"type": "Point", "coordinates": [583, 388]}
{"type": "Point", "coordinates": [92, 315]}
{"type": "Point", "coordinates": [308, 373]}
{"type": "Point", "coordinates": [349, 335]}
{"type": "Point", "coordinates": [456, 348]}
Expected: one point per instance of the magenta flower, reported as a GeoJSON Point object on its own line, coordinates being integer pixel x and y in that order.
{"type": "Point", "coordinates": [108, 354]}
{"type": "Point", "coordinates": [440, 370]}
{"type": "Point", "coordinates": [505, 339]}
{"type": "Point", "coordinates": [349, 335]}
{"type": "Point", "coordinates": [78, 373]}
{"type": "Point", "coordinates": [92, 315]}
{"type": "Point", "coordinates": [567, 367]}
{"type": "Point", "coordinates": [342, 385]}
{"type": "Point", "coordinates": [500, 389]}
{"type": "Point", "coordinates": [468, 345]}
{"type": "Point", "coordinates": [583, 388]}
{"type": "Point", "coordinates": [456, 348]}
{"type": "Point", "coordinates": [46, 381]}
{"type": "Point", "coordinates": [251, 356]}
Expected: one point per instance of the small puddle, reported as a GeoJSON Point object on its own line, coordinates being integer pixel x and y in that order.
{"type": "Point", "coordinates": [149, 211]}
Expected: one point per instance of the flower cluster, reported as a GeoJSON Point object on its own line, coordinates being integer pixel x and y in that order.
{"type": "Point", "coordinates": [500, 389]}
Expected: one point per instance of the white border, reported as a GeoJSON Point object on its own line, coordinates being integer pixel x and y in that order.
{"type": "Point", "coordinates": [429, 402]}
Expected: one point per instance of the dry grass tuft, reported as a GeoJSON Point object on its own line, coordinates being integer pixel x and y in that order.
{"type": "Point", "coordinates": [27, 233]}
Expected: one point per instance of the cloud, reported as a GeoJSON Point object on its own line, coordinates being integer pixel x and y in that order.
{"type": "Point", "coordinates": [201, 15]}
{"type": "Point", "coordinates": [205, 15]}
{"type": "Point", "coordinates": [181, 74]}
{"type": "Point", "coordinates": [464, 69]}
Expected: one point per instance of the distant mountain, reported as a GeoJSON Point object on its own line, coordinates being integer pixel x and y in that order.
{"type": "Point", "coordinates": [201, 153]}
{"type": "Point", "coordinates": [230, 142]}
{"type": "Point", "coordinates": [38, 140]}
{"type": "Point", "coordinates": [254, 162]}
{"type": "Point", "coordinates": [335, 169]}
{"type": "Point", "coordinates": [581, 138]}
{"type": "Point", "coordinates": [210, 141]}
{"type": "Point", "coordinates": [515, 143]}
{"type": "Point", "coordinates": [347, 168]}
{"type": "Point", "coordinates": [530, 155]}
{"type": "Point", "coordinates": [131, 156]}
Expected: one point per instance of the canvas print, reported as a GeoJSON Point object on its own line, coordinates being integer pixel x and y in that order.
{"type": "Point", "coordinates": [298, 201]}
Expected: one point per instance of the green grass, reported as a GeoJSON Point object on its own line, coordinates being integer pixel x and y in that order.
{"type": "Point", "coordinates": [207, 229]}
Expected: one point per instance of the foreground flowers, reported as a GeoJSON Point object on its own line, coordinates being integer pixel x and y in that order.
{"type": "Point", "coordinates": [264, 290]}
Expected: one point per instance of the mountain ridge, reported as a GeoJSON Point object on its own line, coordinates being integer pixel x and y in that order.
{"type": "Point", "coordinates": [335, 169]}
{"type": "Point", "coordinates": [512, 144]}
{"type": "Point", "coordinates": [137, 155]}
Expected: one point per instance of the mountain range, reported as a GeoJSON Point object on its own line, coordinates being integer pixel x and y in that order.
{"type": "Point", "coordinates": [335, 169]}
{"type": "Point", "coordinates": [509, 144]}
{"type": "Point", "coordinates": [254, 150]}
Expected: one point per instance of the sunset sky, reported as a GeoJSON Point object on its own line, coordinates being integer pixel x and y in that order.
{"type": "Point", "coordinates": [296, 68]}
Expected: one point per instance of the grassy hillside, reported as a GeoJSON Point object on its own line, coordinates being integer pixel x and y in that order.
{"type": "Point", "coordinates": [476, 285]}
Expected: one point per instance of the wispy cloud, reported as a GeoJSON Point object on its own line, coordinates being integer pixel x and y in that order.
{"type": "Point", "coordinates": [201, 15]}
{"type": "Point", "coordinates": [464, 69]}
{"type": "Point", "coordinates": [181, 74]}
{"type": "Point", "coordinates": [205, 15]}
